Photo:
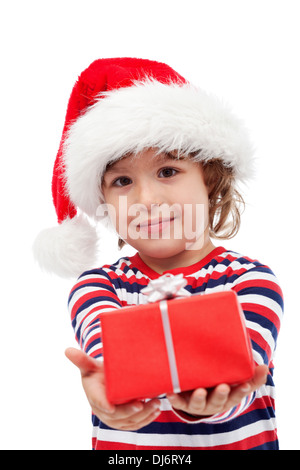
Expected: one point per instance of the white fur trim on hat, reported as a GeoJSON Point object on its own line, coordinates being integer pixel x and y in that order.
{"type": "Point", "coordinates": [150, 114]}
{"type": "Point", "coordinates": [67, 249]}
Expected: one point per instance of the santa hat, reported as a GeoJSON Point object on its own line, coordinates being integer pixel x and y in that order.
{"type": "Point", "coordinates": [119, 106]}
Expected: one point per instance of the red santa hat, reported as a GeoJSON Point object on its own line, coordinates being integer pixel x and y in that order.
{"type": "Point", "coordinates": [120, 106]}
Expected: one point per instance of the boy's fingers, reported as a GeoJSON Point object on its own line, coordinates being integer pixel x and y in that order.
{"type": "Point", "coordinates": [126, 410]}
{"type": "Point", "coordinates": [218, 397]}
{"type": "Point", "coordinates": [140, 424]}
{"type": "Point", "coordinates": [241, 391]}
{"type": "Point", "coordinates": [133, 416]}
{"type": "Point", "coordinates": [85, 363]}
{"type": "Point", "coordinates": [260, 377]}
{"type": "Point", "coordinates": [177, 401]}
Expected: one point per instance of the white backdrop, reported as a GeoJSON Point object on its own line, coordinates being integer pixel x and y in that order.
{"type": "Point", "coordinates": [247, 51]}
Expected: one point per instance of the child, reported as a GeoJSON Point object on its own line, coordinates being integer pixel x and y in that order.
{"type": "Point", "coordinates": [137, 131]}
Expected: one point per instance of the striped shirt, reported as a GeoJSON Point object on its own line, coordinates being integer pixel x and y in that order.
{"type": "Point", "coordinates": [251, 424]}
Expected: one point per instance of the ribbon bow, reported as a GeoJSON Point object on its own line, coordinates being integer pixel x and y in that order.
{"type": "Point", "coordinates": [166, 287]}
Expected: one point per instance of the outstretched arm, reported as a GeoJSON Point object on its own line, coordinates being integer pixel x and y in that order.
{"type": "Point", "coordinates": [130, 416]}
{"type": "Point", "coordinates": [201, 403]}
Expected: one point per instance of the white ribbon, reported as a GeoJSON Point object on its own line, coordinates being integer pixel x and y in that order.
{"type": "Point", "coordinates": [165, 287]}
{"type": "Point", "coordinates": [169, 345]}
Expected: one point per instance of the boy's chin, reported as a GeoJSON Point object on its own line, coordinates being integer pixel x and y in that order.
{"type": "Point", "coordinates": [160, 248]}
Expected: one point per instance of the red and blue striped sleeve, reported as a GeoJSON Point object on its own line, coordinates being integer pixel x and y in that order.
{"type": "Point", "coordinates": [92, 294]}
{"type": "Point", "coordinates": [261, 299]}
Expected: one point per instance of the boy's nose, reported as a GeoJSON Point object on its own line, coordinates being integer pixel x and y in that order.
{"type": "Point", "coordinates": [147, 195]}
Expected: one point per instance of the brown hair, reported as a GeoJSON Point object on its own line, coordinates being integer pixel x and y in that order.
{"type": "Point", "coordinates": [225, 202]}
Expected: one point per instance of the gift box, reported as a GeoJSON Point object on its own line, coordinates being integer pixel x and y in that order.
{"type": "Point", "coordinates": [175, 345]}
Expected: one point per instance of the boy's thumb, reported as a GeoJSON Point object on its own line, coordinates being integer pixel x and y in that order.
{"type": "Point", "coordinates": [85, 363]}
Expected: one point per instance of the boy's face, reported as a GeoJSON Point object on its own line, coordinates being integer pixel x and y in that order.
{"type": "Point", "coordinates": [158, 203]}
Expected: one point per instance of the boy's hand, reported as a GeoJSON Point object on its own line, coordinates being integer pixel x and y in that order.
{"type": "Point", "coordinates": [222, 398]}
{"type": "Point", "coordinates": [130, 416]}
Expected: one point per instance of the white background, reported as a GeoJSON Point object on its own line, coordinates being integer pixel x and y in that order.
{"type": "Point", "coordinates": [246, 51]}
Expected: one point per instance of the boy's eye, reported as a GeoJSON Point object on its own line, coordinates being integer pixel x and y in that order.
{"type": "Point", "coordinates": [122, 181]}
{"type": "Point", "coordinates": [167, 172]}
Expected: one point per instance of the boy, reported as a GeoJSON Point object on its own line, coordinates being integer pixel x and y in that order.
{"type": "Point", "coordinates": [136, 130]}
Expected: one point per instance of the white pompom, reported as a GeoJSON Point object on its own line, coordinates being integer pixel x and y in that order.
{"type": "Point", "coordinates": [67, 249]}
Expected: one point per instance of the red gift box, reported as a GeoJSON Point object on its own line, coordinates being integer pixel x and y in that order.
{"type": "Point", "coordinates": [175, 345]}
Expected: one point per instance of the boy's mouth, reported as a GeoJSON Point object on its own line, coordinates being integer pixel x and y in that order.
{"type": "Point", "coordinates": [155, 225]}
